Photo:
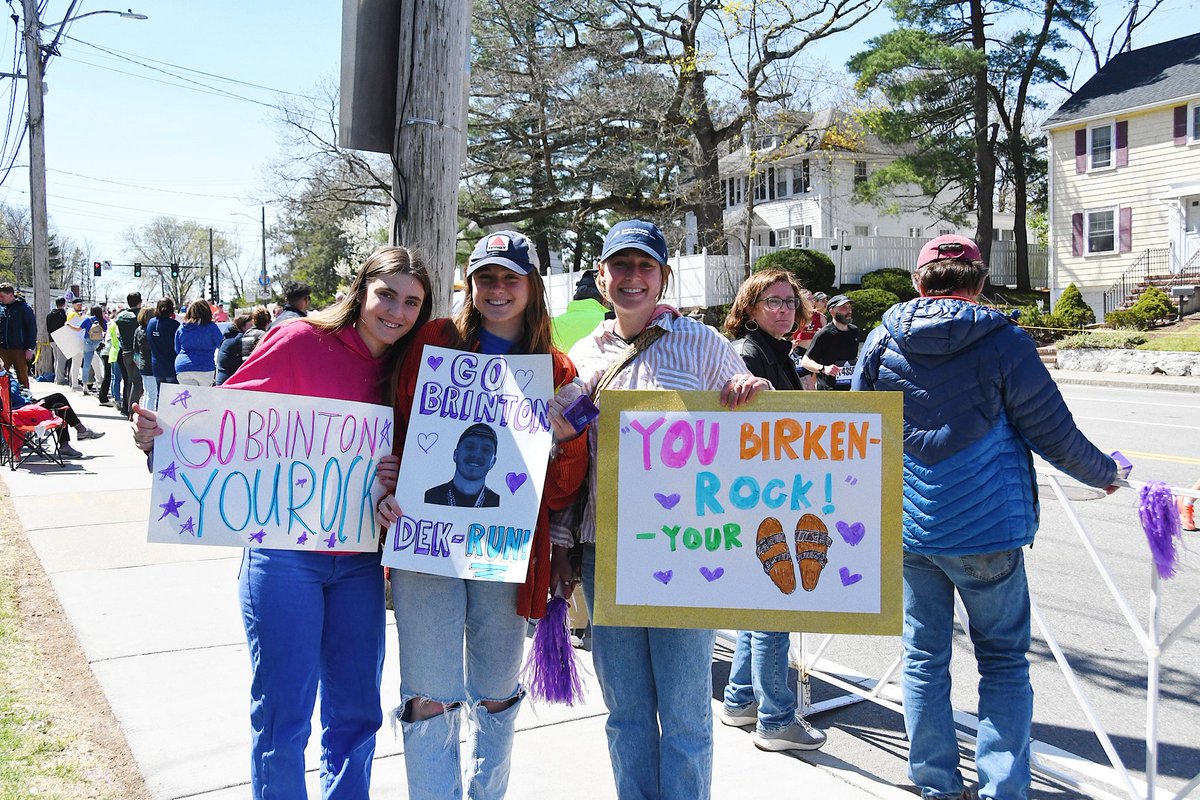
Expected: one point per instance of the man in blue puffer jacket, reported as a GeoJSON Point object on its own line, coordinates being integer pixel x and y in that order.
{"type": "Point", "coordinates": [977, 401]}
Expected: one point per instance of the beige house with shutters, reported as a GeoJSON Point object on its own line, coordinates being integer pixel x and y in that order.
{"type": "Point", "coordinates": [1124, 171]}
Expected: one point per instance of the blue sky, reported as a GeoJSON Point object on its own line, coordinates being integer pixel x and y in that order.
{"type": "Point", "coordinates": [126, 143]}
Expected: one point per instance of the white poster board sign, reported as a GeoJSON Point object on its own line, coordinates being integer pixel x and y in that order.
{"type": "Point", "coordinates": [257, 469]}
{"type": "Point", "coordinates": [69, 340]}
{"type": "Point", "coordinates": [474, 464]}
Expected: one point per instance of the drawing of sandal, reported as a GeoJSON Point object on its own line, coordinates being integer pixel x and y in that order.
{"type": "Point", "coordinates": [772, 550]}
{"type": "Point", "coordinates": [812, 545]}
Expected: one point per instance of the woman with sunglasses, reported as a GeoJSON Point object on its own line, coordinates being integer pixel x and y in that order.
{"type": "Point", "coordinates": [768, 307]}
{"type": "Point", "coordinates": [461, 641]}
{"type": "Point", "coordinates": [656, 682]}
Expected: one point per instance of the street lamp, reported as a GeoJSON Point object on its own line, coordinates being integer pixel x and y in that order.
{"type": "Point", "coordinates": [39, 217]}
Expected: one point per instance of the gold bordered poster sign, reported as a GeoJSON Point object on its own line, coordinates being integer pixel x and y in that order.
{"type": "Point", "coordinates": [782, 515]}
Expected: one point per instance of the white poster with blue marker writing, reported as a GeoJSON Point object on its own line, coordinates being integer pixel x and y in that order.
{"type": "Point", "coordinates": [256, 469]}
{"type": "Point", "coordinates": [474, 463]}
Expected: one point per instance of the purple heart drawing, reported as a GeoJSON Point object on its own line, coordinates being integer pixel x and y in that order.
{"type": "Point", "coordinates": [849, 578]}
{"type": "Point", "coordinates": [664, 577]}
{"type": "Point", "coordinates": [426, 441]}
{"type": "Point", "coordinates": [434, 362]}
{"type": "Point", "coordinates": [514, 480]}
{"type": "Point", "coordinates": [853, 532]}
{"type": "Point", "coordinates": [523, 377]}
{"type": "Point", "coordinates": [711, 575]}
{"type": "Point", "coordinates": [667, 501]}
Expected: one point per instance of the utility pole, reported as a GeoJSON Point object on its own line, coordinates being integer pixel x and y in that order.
{"type": "Point", "coordinates": [431, 130]}
{"type": "Point", "coordinates": [262, 278]}
{"type": "Point", "coordinates": [212, 270]}
{"type": "Point", "coordinates": [39, 217]}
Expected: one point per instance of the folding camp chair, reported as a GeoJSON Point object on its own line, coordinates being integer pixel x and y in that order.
{"type": "Point", "coordinates": [22, 441]}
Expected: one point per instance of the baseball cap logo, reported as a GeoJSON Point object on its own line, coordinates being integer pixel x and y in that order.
{"type": "Point", "coordinates": [497, 243]}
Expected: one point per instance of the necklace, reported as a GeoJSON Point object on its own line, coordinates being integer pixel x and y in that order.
{"type": "Point", "coordinates": [450, 501]}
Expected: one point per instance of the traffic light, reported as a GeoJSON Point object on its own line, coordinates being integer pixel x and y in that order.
{"type": "Point", "coordinates": [137, 270]}
{"type": "Point", "coordinates": [96, 268]}
{"type": "Point", "coordinates": [174, 270]}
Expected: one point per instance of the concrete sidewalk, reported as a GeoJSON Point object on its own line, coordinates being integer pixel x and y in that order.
{"type": "Point", "coordinates": [1124, 380]}
{"type": "Point", "coordinates": [161, 628]}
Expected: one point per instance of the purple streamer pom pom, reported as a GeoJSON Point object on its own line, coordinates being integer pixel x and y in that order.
{"type": "Point", "coordinates": [550, 672]}
{"type": "Point", "coordinates": [1160, 521]}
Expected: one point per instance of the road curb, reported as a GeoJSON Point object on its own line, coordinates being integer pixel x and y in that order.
{"type": "Point", "coordinates": [1135, 382]}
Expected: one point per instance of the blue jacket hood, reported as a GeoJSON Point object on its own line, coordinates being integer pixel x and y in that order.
{"type": "Point", "coordinates": [941, 326]}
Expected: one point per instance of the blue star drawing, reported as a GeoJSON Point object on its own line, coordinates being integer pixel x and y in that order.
{"type": "Point", "coordinates": [188, 527]}
{"type": "Point", "coordinates": [171, 507]}
{"type": "Point", "coordinates": [258, 537]}
{"type": "Point", "coordinates": [301, 481]}
{"type": "Point", "coordinates": [331, 541]}
{"type": "Point", "coordinates": [302, 538]}
{"type": "Point", "coordinates": [169, 472]}
{"type": "Point", "coordinates": [182, 399]}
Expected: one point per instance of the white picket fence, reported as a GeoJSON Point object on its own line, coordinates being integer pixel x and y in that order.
{"type": "Point", "coordinates": [709, 280]}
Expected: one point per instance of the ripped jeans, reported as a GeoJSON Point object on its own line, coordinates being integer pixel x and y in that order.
{"type": "Point", "coordinates": [461, 643]}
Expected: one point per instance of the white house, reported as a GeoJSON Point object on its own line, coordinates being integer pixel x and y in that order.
{"type": "Point", "coordinates": [1124, 154]}
{"type": "Point", "coordinates": [803, 190]}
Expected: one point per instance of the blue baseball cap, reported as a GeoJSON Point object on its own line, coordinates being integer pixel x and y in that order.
{"type": "Point", "coordinates": [505, 248]}
{"type": "Point", "coordinates": [635, 234]}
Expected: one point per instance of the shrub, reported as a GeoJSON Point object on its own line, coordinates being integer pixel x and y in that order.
{"type": "Point", "coordinates": [1107, 340]}
{"type": "Point", "coordinates": [1070, 309]}
{"type": "Point", "coordinates": [812, 268]}
{"type": "Point", "coordinates": [891, 279]}
{"type": "Point", "coordinates": [1151, 307]}
{"type": "Point", "coordinates": [869, 305]}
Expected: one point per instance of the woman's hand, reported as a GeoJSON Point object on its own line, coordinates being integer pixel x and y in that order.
{"type": "Point", "coordinates": [145, 427]}
{"type": "Point", "coordinates": [562, 429]}
{"type": "Point", "coordinates": [387, 472]}
{"type": "Point", "coordinates": [387, 512]}
{"type": "Point", "coordinates": [741, 389]}
{"type": "Point", "coordinates": [561, 571]}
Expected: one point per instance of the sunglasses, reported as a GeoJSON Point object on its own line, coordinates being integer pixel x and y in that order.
{"type": "Point", "coordinates": [776, 303]}
{"type": "Point", "coordinates": [951, 249]}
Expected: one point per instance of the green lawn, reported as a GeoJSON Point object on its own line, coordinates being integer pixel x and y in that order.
{"type": "Point", "coordinates": [1181, 342]}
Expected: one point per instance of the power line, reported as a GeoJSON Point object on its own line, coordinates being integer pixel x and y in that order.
{"type": "Point", "coordinates": [198, 87]}
{"type": "Point", "coordinates": [140, 59]}
{"type": "Point", "coordinates": [146, 188]}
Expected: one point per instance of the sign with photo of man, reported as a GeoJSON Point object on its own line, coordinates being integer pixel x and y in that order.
{"type": "Point", "coordinates": [475, 458]}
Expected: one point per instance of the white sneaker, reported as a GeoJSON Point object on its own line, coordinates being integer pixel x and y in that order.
{"type": "Point", "coordinates": [738, 717]}
{"type": "Point", "coordinates": [799, 735]}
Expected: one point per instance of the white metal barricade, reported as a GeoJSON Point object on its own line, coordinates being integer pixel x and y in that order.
{"type": "Point", "coordinates": [1112, 781]}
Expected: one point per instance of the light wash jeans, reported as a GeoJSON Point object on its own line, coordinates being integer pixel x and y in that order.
{"type": "Point", "coordinates": [312, 621]}
{"type": "Point", "coordinates": [89, 350]}
{"type": "Point", "coordinates": [760, 672]}
{"type": "Point", "coordinates": [150, 392]}
{"type": "Point", "coordinates": [461, 643]}
{"type": "Point", "coordinates": [995, 593]}
{"type": "Point", "coordinates": [196, 378]}
{"type": "Point", "coordinates": [657, 685]}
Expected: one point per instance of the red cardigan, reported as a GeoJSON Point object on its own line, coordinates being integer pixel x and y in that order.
{"type": "Point", "coordinates": [564, 477]}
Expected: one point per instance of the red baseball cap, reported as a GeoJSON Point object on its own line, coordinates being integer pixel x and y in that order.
{"type": "Point", "coordinates": [949, 248]}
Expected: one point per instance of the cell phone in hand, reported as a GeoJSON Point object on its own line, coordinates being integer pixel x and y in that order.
{"type": "Point", "coordinates": [581, 412]}
{"type": "Point", "coordinates": [1124, 465]}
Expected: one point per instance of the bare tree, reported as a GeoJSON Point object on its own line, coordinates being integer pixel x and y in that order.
{"type": "Point", "coordinates": [174, 256]}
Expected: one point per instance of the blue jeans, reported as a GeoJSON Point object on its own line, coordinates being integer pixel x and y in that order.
{"type": "Point", "coordinates": [460, 645]}
{"type": "Point", "coordinates": [115, 384]}
{"type": "Point", "coordinates": [89, 349]}
{"type": "Point", "coordinates": [657, 685]}
{"type": "Point", "coordinates": [995, 593]}
{"type": "Point", "coordinates": [760, 672]}
{"type": "Point", "coordinates": [150, 392]}
{"type": "Point", "coordinates": [313, 621]}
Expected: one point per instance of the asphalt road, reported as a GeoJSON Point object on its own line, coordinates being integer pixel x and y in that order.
{"type": "Point", "coordinates": [1160, 432]}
